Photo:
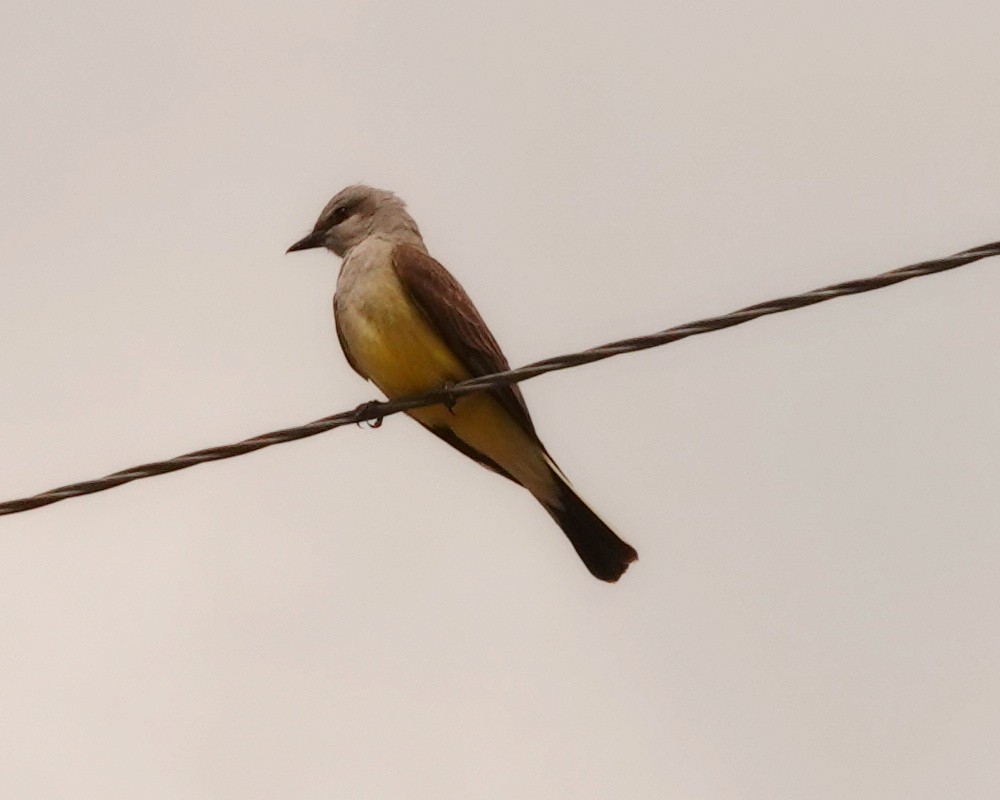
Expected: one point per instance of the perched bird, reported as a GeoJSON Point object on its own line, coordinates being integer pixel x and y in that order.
{"type": "Point", "coordinates": [406, 324]}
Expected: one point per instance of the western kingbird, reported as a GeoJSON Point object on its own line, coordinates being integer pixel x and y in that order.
{"type": "Point", "coordinates": [406, 324]}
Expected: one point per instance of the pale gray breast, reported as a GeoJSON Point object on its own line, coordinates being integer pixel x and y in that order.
{"type": "Point", "coordinates": [365, 275]}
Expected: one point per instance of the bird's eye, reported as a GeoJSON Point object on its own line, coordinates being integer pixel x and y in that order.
{"type": "Point", "coordinates": [340, 213]}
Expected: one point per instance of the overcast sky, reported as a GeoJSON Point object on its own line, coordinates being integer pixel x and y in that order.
{"type": "Point", "coordinates": [366, 614]}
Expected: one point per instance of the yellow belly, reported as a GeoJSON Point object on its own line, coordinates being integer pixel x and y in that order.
{"type": "Point", "coordinates": [393, 344]}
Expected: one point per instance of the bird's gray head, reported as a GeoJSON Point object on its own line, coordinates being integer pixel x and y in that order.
{"type": "Point", "coordinates": [354, 214]}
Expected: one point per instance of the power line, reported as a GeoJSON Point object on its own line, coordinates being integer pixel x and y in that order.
{"type": "Point", "coordinates": [374, 412]}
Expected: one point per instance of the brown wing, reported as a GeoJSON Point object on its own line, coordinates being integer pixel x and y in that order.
{"type": "Point", "coordinates": [450, 311]}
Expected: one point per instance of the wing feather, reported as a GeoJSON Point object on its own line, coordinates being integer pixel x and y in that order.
{"type": "Point", "coordinates": [448, 308]}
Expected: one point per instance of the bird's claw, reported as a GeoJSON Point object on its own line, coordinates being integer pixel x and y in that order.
{"type": "Point", "coordinates": [366, 408]}
{"type": "Point", "coordinates": [450, 398]}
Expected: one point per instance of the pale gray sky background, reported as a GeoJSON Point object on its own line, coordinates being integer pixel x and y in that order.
{"type": "Point", "coordinates": [367, 614]}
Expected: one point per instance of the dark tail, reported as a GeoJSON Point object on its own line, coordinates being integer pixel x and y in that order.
{"type": "Point", "coordinates": [606, 556]}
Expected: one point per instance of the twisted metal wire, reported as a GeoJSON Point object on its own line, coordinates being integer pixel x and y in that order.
{"type": "Point", "coordinates": [374, 412]}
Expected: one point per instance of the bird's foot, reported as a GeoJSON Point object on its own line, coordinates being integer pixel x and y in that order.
{"type": "Point", "coordinates": [367, 408]}
{"type": "Point", "coordinates": [450, 398]}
